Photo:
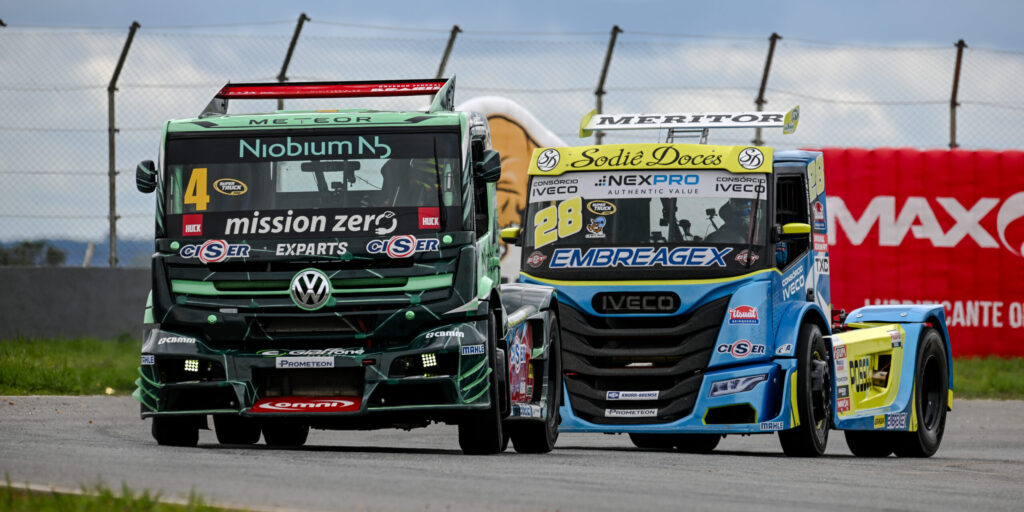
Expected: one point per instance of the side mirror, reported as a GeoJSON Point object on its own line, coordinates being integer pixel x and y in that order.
{"type": "Point", "coordinates": [792, 231]}
{"type": "Point", "coordinates": [145, 176]}
{"type": "Point", "coordinates": [510, 236]}
{"type": "Point", "coordinates": [488, 168]}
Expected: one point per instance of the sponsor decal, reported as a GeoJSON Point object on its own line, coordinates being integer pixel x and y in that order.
{"type": "Point", "coordinates": [600, 207]}
{"type": "Point", "coordinates": [793, 283]}
{"type": "Point", "coordinates": [628, 302]}
{"type": "Point", "coordinates": [771, 425]}
{"type": "Point", "coordinates": [745, 255]}
{"type": "Point", "coordinates": [843, 405]}
{"type": "Point", "coordinates": [148, 360]}
{"type": "Point", "coordinates": [648, 180]}
{"type": "Point", "coordinates": [723, 119]}
{"type": "Point", "coordinates": [660, 156]}
{"type": "Point", "coordinates": [304, 362]}
{"type": "Point", "coordinates": [897, 338]}
{"type": "Point", "coordinates": [402, 246]}
{"type": "Point", "coordinates": [632, 395]}
{"type": "Point", "coordinates": [553, 186]}
{"type": "Point", "coordinates": [784, 350]}
{"type": "Point", "coordinates": [840, 351]}
{"type": "Point", "coordinates": [818, 215]}
{"type": "Point", "coordinates": [311, 352]}
{"type": "Point", "coordinates": [821, 263]}
{"type": "Point", "coordinates": [740, 185]}
{"type": "Point", "coordinates": [536, 259]}
{"type": "Point", "coordinates": [741, 348]}
{"type": "Point", "coordinates": [843, 392]}
{"type": "Point", "coordinates": [176, 339]}
{"type": "Point", "coordinates": [630, 413]}
{"type": "Point", "coordinates": [449, 334]}
{"type": "Point", "coordinates": [743, 315]}
{"type": "Point", "coordinates": [751, 158]}
{"type": "Point", "coordinates": [430, 217]}
{"type": "Point", "coordinates": [820, 242]}
{"type": "Point", "coordinates": [841, 365]}
{"type": "Point", "coordinates": [842, 380]}
{"type": "Point", "coordinates": [520, 373]}
{"type": "Point", "coordinates": [230, 187]}
{"type": "Point", "coordinates": [548, 159]}
{"type": "Point", "coordinates": [192, 224]}
{"type": "Point", "coordinates": [879, 421]}
{"type": "Point", "coordinates": [213, 251]}
{"type": "Point", "coordinates": [301, 404]}
{"type": "Point", "coordinates": [897, 421]}
{"type": "Point", "coordinates": [639, 257]}
{"type": "Point", "coordinates": [473, 350]}
{"type": "Point", "coordinates": [363, 146]}
{"type": "Point", "coordinates": [310, 289]}
{"type": "Point", "coordinates": [517, 354]}
{"type": "Point", "coordinates": [527, 410]}
{"type": "Point", "coordinates": [312, 249]}
{"type": "Point", "coordinates": [595, 229]}
{"type": "Point", "coordinates": [360, 223]}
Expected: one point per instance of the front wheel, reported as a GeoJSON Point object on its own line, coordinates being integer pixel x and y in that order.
{"type": "Point", "coordinates": [175, 430]}
{"type": "Point", "coordinates": [480, 431]}
{"type": "Point", "coordinates": [813, 397]}
{"type": "Point", "coordinates": [540, 436]}
{"type": "Point", "coordinates": [931, 394]}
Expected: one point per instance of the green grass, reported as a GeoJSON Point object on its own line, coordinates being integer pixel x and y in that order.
{"type": "Point", "coordinates": [988, 377]}
{"type": "Point", "coordinates": [89, 367]}
{"type": "Point", "coordinates": [97, 499]}
{"type": "Point", "coordinates": [68, 366]}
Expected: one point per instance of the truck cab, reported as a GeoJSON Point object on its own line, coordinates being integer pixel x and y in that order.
{"type": "Point", "coordinates": [337, 269]}
{"type": "Point", "coordinates": [693, 283]}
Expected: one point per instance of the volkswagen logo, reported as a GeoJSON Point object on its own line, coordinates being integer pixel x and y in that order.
{"type": "Point", "coordinates": [310, 289]}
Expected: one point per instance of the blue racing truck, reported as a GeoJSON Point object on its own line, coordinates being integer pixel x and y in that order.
{"type": "Point", "coordinates": [693, 296]}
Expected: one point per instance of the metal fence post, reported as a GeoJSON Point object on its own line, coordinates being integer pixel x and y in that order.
{"type": "Point", "coordinates": [760, 101]}
{"type": "Point", "coordinates": [960, 45]}
{"type": "Point", "coordinates": [111, 131]}
{"type": "Point", "coordinates": [599, 136]}
{"type": "Point", "coordinates": [283, 75]}
{"type": "Point", "coordinates": [448, 50]}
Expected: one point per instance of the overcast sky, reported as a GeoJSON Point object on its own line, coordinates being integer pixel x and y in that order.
{"type": "Point", "coordinates": [986, 23]}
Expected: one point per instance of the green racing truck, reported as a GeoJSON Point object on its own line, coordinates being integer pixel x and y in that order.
{"type": "Point", "coordinates": [338, 269]}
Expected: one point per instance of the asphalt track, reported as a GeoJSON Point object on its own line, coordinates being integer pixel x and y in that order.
{"type": "Point", "coordinates": [75, 441]}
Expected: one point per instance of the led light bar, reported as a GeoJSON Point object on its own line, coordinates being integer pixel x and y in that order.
{"type": "Point", "coordinates": [272, 91]}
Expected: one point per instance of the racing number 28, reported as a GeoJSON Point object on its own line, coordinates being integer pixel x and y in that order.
{"type": "Point", "coordinates": [556, 222]}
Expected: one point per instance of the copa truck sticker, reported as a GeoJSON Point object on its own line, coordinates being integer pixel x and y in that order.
{"type": "Point", "coordinates": [741, 348]}
{"type": "Point", "coordinates": [402, 246]}
{"type": "Point", "coordinates": [743, 315]}
{"type": "Point", "coordinates": [213, 251]}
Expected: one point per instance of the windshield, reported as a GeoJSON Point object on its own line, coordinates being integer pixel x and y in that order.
{"type": "Point", "coordinates": [645, 224]}
{"type": "Point", "coordinates": [311, 185]}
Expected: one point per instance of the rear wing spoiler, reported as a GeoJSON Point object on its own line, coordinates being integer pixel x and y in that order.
{"type": "Point", "coordinates": [689, 121]}
{"type": "Point", "coordinates": [442, 90]}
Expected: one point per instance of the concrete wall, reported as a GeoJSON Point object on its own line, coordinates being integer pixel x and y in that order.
{"type": "Point", "coordinates": [72, 302]}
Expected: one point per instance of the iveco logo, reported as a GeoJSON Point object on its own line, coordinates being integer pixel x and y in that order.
{"type": "Point", "coordinates": [310, 289]}
{"type": "Point", "coordinates": [624, 302]}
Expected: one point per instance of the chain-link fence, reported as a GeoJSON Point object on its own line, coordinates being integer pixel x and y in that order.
{"type": "Point", "coordinates": [54, 95]}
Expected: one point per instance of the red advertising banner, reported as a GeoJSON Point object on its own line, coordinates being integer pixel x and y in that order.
{"type": "Point", "coordinates": [946, 227]}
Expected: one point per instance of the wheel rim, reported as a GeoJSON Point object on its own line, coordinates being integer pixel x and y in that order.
{"type": "Point", "coordinates": [931, 394]}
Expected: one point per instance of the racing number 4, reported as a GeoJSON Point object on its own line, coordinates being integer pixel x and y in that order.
{"type": "Point", "coordinates": [556, 222]}
{"type": "Point", "coordinates": [195, 192]}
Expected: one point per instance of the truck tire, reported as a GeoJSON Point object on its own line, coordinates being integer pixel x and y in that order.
{"type": "Point", "coordinates": [867, 443]}
{"type": "Point", "coordinates": [696, 443]}
{"type": "Point", "coordinates": [175, 431]}
{"type": "Point", "coordinates": [234, 429]}
{"type": "Point", "coordinates": [653, 441]}
{"type": "Point", "coordinates": [540, 436]}
{"type": "Point", "coordinates": [279, 433]}
{"type": "Point", "coordinates": [480, 432]}
{"type": "Point", "coordinates": [813, 396]}
{"type": "Point", "coordinates": [931, 393]}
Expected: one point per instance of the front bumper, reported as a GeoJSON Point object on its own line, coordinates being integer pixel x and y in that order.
{"type": "Point", "coordinates": [768, 407]}
{"type": "Point", "coordinates": [445, 369]}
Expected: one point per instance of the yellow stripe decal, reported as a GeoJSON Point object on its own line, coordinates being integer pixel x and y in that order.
{"type": "Point", "coordinates": [795, 413]}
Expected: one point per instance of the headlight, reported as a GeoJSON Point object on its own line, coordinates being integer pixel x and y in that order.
{"type": "Point", "coordinates": [737, 385]}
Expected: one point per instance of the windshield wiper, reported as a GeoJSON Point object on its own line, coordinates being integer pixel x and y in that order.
{"type": "Point", "coordinates": [440, 193]}
{"type": "Point", "coordinates": [753, 227]}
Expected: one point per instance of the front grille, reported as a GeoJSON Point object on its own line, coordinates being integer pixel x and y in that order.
{"type": "Point", "coordinates": [618, 363]}
{"type": "Point", "coordinates": [271, 382]}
